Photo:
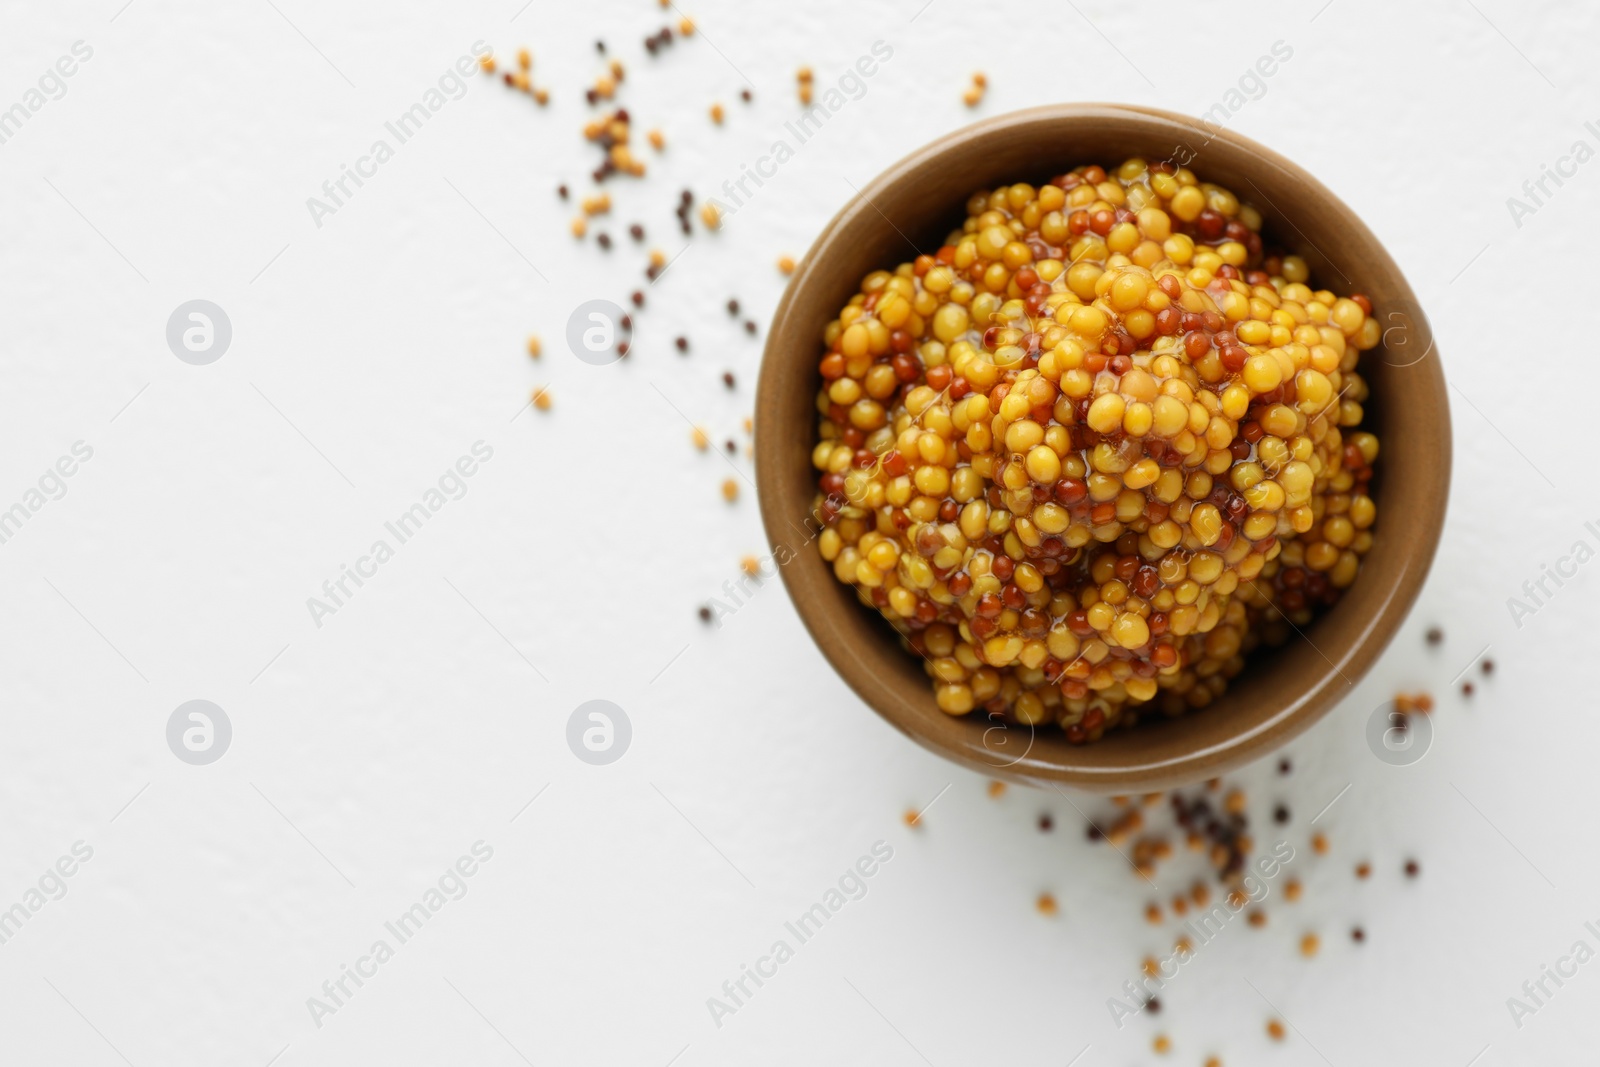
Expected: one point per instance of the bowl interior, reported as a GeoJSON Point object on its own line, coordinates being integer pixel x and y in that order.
{"type": "Point", "coordinates": [910, 209]}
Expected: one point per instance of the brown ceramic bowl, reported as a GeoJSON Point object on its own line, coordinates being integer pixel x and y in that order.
{"type": "Point", "coordinates": [909, 209]}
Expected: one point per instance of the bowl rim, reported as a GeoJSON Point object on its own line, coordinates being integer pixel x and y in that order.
{"type": "Point", "coordinates": [868, 681]}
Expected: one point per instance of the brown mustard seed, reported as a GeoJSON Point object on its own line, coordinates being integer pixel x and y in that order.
{"type": "Point", "coordinates": [1358, 935]}
{"type": "Point", "coordinates": [1152, 913]}
{"type": "Point", "coordinates": [744, 94]}
{"type": "Point", "coordinates": [750, 326]}
{"type": "Point", "coordinates": [562, 192]}
{"type": "Point", "coordinates": [1488, 666]}
{"type": "Point", "coordinates": [603, 240]}
{"type": "Point", "coordinates": [1309, 945]}
{"type": "Point", "coordinates": [1291, 890]}
{"type": "Point", "coordinates": [730, 490]}
{"type": "Point", "coordinates": [1363, 870]}
{"type": "Point", "coordinates": [1319, 844]}
{"type": "Point", "coordinates": [1046, 823]}
{"type": "Point", "coordinates": [682, 343]}
{"type": "Point", "coordinates": [1435, 635]}
{"type": "Point", "coordinates": [733, 307]}
{"type": "Point", "coordinates": [1280, 814]}
{"type": "Point", "coordinates": [1257, 918]}
{"type": "Point", "coordinates": [638, 298]}
{"type": "Point", "coordinates": [705, 614]}
{"type": "Point", "coordinates": [1466, 689]}
{"type": "Point", "coordinates": [1284, 766]}
{"type": "Point", "coordinates": [636, 232]}
{"type": "Point", "coordinates": [1411, 869]}
{"type": "Point", "coordinates": [1153, 1006]}
{"type": "Point", "coordinates": [727, 379]}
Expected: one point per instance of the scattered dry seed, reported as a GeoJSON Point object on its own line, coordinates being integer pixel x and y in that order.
{"type": "Point", "coordinates": [535, 349]}
{"type": "Point", "coordinates": [805, 93]}
{"type": "Point", "coordinates": [716, 114]}
{"type": "Point", "coordinates": [1424, 702]}
{"type": "Point", "coordinates": [710, 216]}
{"type": "Point", "coordinates": [1275, 1030]}
{"type": "Point", "coordinates": [682, 343]}
{"type": "Point", "coordinates": [541, 96]}
{"type": "Point", "coordinates": [1212, 1061]}
{"type": "Point", "coordinates": [1411, 868]}
{"type": "Point", "coordinates": [1435, 635]}
{"type": "Point", "coordinates": [698, 436]}
{"type": "Point", "coordinates": [1363, 869]}
{"type": "Point", "coordinates": [519, 81]}
{"type": "Point", "coordinates": [1257, 918]}
{"type": "Point", "coordinates": [749, 424]}
{"type": "Point", "coordinates": [1466, 689]}
{"type": "Point", "coordinates": [541, 398]}
{"type": "Point", "coordinates": [487, 64]}
{"type": "Point", "coordinates": [1046, 823]}
{"type": "Point", "coordinates": [1046, 904]}
{"type": "Point", "coordinates": [972, 97]}
{"type": "Point", "coordinates": [1319, 844]}
{"type": "Point", "coordinates": [524, 59]}
{"type": "Point", "coordinates": [750, 565]}
{"type": "Point", "coordinates": [730, 490]}
{"type": "Point", "coordinates": [980, 80]}
{"type": "Point", "coordinates": [1183, 946]}
{"type": "Point", "coordinates": [1152, 913]}
{"type": "Point", "coordinates": [997, 789]}
{"type": "Point", "coordinates": [597, 205]}
{"type": "Point", "coordinates": [1280, 814]}
{"type": "Point", "coordinates": [1488, 666]}
{"type": "Point", "coordinates": [1233, 803]}
{"type": "Point", "coordinates": [1162, 1044]}
{"type": "Point", "coordinates": [744, 94]}
{"type": "Point", "coordinates": [580, 226]}
{"type": "Point", "coordinates": [1237, 899]}
{"type": "Point", "coordinates": [785, 265]}
{"type": "Point", "coordinates": [1284, 766]}
{"type": "Point", "coordinates": [804, 74]}
{"type": "Point", "coordinates": [1150, 966]}
{"type": "Point", "coordinates": [686, 27]}
{"type": "Point", "coordinates": [1358, 935]}
{"type": "Point", "coordinates": [1180, 906]}
{"type": "Point", "coordinates": [705, 614]}
{"type": "Point", "coordinates": [1291, 890]}
{"type": "Point", "coordinates": [1309, 945]}
{"type": "Point", "coordinates": [658, 258]}
{"type": "Point", "coordinates": [1199, 894]}
{"type": "Point", "coordinates": [657, 140]}
{"type": "Point", "coordinates": [912, 816]}
{"type": "Point", "coordinates": [727, 379]}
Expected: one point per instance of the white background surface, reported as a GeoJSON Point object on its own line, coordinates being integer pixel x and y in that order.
{"type": "Point", "coordinates": [370, 753]}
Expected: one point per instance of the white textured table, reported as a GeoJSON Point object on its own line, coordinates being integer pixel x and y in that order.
{"type": "Point", "coordinates": [402, 729]}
